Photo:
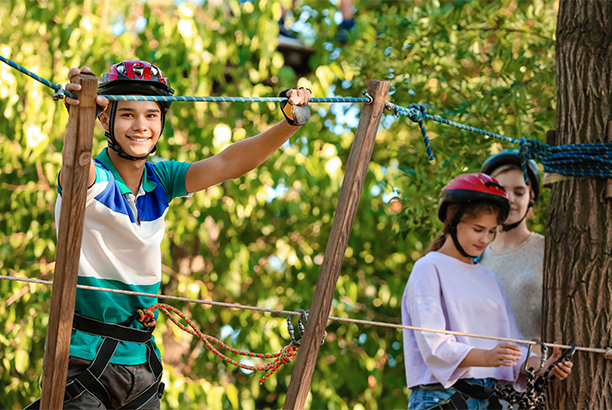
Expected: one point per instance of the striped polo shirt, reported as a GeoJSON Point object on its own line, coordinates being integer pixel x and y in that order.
{"type": "Point", "coordinates": [121, 249]}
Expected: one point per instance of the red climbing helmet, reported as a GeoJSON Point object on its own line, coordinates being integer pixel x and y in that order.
{"type": "Point", "coordinates": [477, 187]}
{"type": "Point", "coordinates": [135, 77]}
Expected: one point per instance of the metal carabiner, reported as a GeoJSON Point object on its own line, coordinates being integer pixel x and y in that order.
{"type": "Point", "coordinates": [531, 370]}
{"type": "Point", "coordinates": [301, 326]}
{"type": "Point", "coordinates": [59, 93]}
{"type": "Point", "coordinates": [302, 319]}
{"type": "Point", "coordinates": [567, 355]}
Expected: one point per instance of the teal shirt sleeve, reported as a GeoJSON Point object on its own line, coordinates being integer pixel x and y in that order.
{"type": "Point", "coordinates": [171, 175]}
{"type": "Point", "coordinates": [101, 176]}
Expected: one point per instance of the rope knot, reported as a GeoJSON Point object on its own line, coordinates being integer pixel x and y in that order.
{"type": "Point", "coordinates": [416, 112]}
{"type": "Point", "coordinates": [531, 149]}
{"type": "Point", "coordinates": [147, 316]}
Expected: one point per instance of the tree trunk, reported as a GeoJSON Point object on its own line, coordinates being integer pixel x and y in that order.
{"type": "Point", "coordinates": [577, 301]}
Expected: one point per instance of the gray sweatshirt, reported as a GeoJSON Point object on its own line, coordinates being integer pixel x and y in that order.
{"type": "Point", "coordinates": [521, 272]}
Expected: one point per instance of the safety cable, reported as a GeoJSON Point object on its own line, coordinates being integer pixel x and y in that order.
{"type": "Point", "coordinates": [606, 352]}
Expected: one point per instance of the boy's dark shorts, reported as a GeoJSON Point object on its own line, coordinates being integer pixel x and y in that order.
{"type": "Point", "coordinates": [123, 383]}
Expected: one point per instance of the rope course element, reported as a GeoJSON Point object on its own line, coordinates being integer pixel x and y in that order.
{"type": "Point", "coordinates": [607, 352]}
{"type": "Point", "coordinates": [59, 93]}
{"type": "Point", "coordinates": [587, 160]}
{"type": "Point", "coordinates": [367, 99]}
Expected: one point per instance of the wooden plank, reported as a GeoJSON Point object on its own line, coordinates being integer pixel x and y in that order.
{"type": "Point", "coordinates": [354, 178]}
{"type": "Point", "coordinates": [75, 169]}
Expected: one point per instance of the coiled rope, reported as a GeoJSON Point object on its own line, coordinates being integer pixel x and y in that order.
{"type": "Point", "coordinates": [587, 160]}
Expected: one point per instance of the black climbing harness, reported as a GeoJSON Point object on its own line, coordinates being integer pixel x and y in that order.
{"type": "Point", "coordinates": [464, 391]}
{"type": "Point", "coordinates": [534, 397]}
{"type": "Point", "coordinates": [112, 334]}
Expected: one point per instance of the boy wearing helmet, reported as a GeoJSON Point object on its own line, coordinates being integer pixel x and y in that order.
{"type": "Point", "coordinates": [516, 254]}
{"type": "Point", "coordinates": [114, 362]}
{"type": "Point", "coordinates": [447, 290]}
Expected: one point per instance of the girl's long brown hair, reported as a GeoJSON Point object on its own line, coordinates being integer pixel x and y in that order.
{"type": "Point", "coordinates": [472, 212]}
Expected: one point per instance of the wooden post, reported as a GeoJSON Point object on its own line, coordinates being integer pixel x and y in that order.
{"type": "Point", "coordinates": [608, 193]}
{"type": "Point", "coordinates": [354, 178]}
{"type": "Point", "coordinates": [75, 170]}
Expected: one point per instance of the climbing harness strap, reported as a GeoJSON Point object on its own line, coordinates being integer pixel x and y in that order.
{"type": "Point", "coordinates": [89, 379]}
{"type": "Point", "coordinates": [534, 397]}
{"type": "Point", "coordinates": [465, 390]}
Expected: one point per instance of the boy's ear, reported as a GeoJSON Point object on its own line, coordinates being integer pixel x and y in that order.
{"type": "Point", "coordinates": [103, 117]}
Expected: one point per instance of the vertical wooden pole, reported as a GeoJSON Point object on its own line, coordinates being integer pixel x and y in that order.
{"type": "Point", "coordinates": [75, 170]}
{"type": "Point", "coordinates": [354, 178]}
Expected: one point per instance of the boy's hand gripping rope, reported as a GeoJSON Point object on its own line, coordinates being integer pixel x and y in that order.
{"type": "Point", "coordinates": [285, 356]}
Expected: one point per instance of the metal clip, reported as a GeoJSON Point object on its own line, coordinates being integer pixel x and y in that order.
{"type": "Point", "coordinates": [389, 106]}
{"type": "Point", "coordinates": [301, 326]}
{"type": "Point", "coordinates": [531, 370]}
{"type": "Point", "coordinates": [368, 96]}
{"type": "Point", "coordinates": [566, 356]}
{"type": "Point", "coordinates": [59, 93]}
{"type": "Point", "coordinates": [302, 319]}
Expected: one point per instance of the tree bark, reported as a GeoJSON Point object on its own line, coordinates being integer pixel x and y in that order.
{"type": "Point", "coordinates": [577, 300]}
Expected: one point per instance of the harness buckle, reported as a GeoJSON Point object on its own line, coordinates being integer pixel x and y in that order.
{"type": "Point", "coordinates": [160, 390]}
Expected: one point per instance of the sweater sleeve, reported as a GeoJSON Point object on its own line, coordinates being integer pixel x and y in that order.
{"type": "Point", "coordinates": [425, 304]}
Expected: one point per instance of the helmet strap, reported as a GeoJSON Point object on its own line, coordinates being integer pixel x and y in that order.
{"type": "Point", "coordinates": [452, 230]}
{"type": "Point", "coordinates": [112, 141]}
{"type": "Point", "coordinates": [506, 228]}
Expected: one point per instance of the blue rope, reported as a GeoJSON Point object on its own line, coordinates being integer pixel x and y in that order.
{"type": "Point", "coordinates": [59, 91]}
{"type": "Point", "coordinates": [591, 160]}
{"type": "Point", "coordinates": [231, 99]}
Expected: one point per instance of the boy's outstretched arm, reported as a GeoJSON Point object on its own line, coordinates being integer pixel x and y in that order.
{"type": "Point", "coordinates": [243, 156]}
{"type": "Point", "coordinates": [102, 101]}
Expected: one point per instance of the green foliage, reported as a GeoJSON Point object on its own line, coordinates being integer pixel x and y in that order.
{"type": "Point", "coordinates": [488, 64]}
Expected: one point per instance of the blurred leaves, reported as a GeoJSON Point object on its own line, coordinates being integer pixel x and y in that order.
{"type": "Point", "coordinates": [260, 239]}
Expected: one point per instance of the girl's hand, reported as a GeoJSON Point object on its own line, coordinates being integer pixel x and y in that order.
{"type": "Point", "coordinates": [560, 371]}
{"type": "Point", "coordinates": [504, 354]}
{"type": "Point", "coordinates": [101, 101]}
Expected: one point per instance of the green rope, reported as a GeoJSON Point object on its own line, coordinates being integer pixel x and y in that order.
{"type": "Point", "coordinates": [588, 160]}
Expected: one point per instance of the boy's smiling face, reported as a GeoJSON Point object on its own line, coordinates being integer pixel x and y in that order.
{"type": "Point", "coordinates": [137, 126]}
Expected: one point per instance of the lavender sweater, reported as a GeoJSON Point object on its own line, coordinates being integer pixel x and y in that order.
{"type": "Point", "coordinates": [446, 293]}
